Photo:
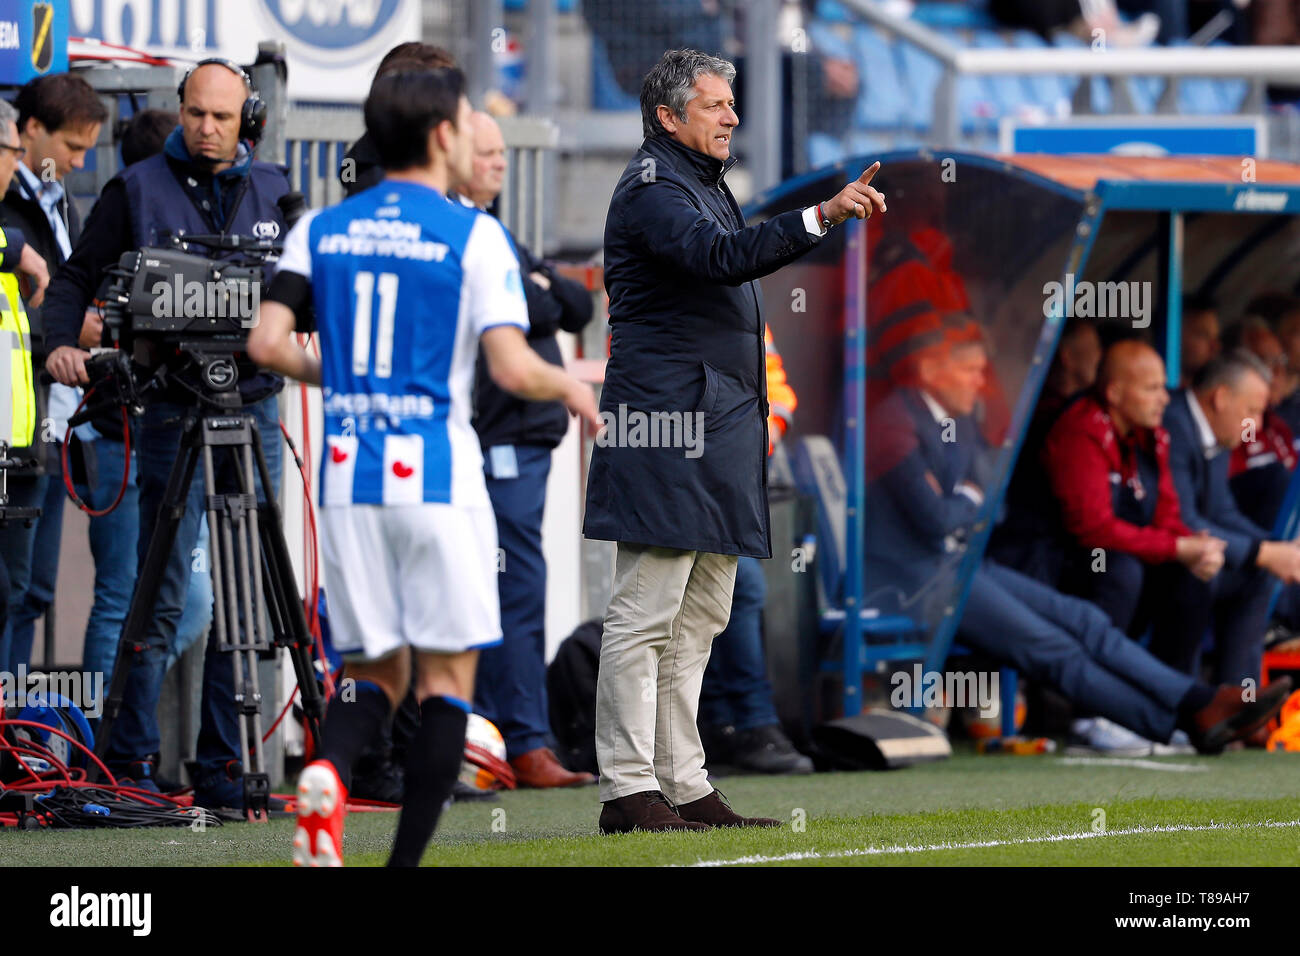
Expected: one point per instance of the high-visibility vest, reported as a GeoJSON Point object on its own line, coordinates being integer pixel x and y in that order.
{"type": "Point", "coordinates": [18, 415]}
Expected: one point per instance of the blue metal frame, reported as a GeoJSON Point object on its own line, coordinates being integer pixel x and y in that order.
{"type": "Point", "coordinates": [855, 402]}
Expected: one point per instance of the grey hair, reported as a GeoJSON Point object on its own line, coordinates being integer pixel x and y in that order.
{"type": "Point", "coordinates": [1230, 369]}
{"type": "Point", "coordinates": [7, 113]}
{"type": "Point", "coordinates": [671, 83]}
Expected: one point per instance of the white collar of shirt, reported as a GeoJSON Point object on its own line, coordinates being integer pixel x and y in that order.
{"type": "Point", "coordinates": [48, 195]}
{"type": "Point", "coordinates": [936, 410]}
{"type": "Point", "coordinates": [1209, 444]}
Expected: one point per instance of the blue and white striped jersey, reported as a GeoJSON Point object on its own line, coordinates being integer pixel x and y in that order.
{"type": "Point", "coordinates": [403, 283]}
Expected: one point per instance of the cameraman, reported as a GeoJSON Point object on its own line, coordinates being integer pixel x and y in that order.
{"type": "Point", "coordinates": [205, 181]}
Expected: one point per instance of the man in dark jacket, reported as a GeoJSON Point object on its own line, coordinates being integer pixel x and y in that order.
{"type": "Point", "coordinates": [684, 500]}
{"type": "Point", "coordinates": [206, 181]}
{"type": "Point", "coordinates": [518, 436]}
{"type": "Point", "coordinates": [59, 116]}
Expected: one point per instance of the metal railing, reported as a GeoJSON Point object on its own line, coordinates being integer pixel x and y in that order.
{"type": "Point", "coordinates": [317, 139]}
{"type": "Point", "coordinates": [1257, 65]}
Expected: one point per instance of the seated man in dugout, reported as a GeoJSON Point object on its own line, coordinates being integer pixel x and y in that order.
{"type": "Point", "coordinates": [924, 502]}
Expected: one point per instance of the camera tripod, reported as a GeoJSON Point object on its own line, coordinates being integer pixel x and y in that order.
{"type": "Point", "coordinates": [256, 606]}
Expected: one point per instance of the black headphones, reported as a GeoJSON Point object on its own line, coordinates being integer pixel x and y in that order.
{"type": "Point", "coordinates": [252, 115]}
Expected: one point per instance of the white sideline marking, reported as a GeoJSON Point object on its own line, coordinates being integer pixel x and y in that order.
{"type": "Point", "coordinates": [1054, 838]}
{"type": "Point", "coordinates": [1133, 762]}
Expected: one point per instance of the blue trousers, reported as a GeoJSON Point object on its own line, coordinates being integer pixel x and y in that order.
{"type": "Point", "coordinates": [136, 733]}
{"type": "Point", "coordinates": [113, 540]}
{"type": "Point", "coordinates": [1234, 603]}
{"type": "Point", "coordinates": [18, 548]}
{"type": "Point", "coordinates": [1070, 644]}
{"type": "Point", "coordinates": [736, 690]}
{"type": "Point", "coordinates": [510, 686]}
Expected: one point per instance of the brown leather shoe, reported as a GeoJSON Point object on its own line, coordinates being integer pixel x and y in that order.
{"type": "Point", "coordinates": [648, 811]}
{"type": "Point", "coordinates": [540, 768]}
{"type": "Point", "coordinates": [1228, 717]}
{"type": "Point", "coordinates": [715, 811]}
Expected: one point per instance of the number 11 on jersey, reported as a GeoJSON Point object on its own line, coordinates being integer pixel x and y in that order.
{"type": "Point", "coordinates": [364, 287]}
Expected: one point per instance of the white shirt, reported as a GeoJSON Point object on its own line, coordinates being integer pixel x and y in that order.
{"type": "Point", "coordinates": [1209, 444]}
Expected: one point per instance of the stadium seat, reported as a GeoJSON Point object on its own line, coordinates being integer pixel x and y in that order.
{"type": "Point", "coordinates": [606, 94]}
{"type": "Point", "coordinates": [886, 637]}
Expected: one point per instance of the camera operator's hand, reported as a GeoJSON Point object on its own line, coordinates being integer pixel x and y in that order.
{"type": "Point", "coordinates": [855, 199]}
{"type": "Point", "coordinates": [36, 274]}
{"type": "Point", "coordinates": [92, 330]}
{"type": "Point", "coordinates": [67, 364]}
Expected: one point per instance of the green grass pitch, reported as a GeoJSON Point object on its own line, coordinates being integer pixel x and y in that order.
{"type": "Point", "coordinates": [1239, 809]}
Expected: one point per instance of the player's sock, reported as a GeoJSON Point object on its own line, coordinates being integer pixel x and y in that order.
{"type": "Point", "coordinates": [352, 722]}
{"type": "Point", "coordinates": [432, 765]}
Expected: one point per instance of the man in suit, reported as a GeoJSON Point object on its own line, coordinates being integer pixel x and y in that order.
{"type": "Point", "coordinates": [1205, 422]}
{"type": "Point", "coordinates": [927, 495]}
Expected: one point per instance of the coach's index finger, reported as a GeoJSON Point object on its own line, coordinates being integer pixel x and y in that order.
{"type": "Point", "coordinates": [868, 173]}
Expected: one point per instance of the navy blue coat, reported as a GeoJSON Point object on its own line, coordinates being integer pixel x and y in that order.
{"type": "Point", "coordinates": [687, 337]}
{"type": "Point", "coordinates": [908, 526]}
{"type": "Point", "coordinates": [1203, 492]}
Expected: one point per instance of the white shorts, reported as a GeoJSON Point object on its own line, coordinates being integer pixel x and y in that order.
{"type": "Point", "coordinates": [422, 576]}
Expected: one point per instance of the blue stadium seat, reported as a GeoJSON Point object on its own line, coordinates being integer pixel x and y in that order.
{"type": "Point", "coordinates": [955, 14]}
{"type": "Point", "coordinates": [887, 637]}
{"type": "Point", "coordinates": [606, 94]}
{"type": "Point", "coordinates": [1047, 90]}
{"type": "Point", "coordinates": [884, 102]}
{"type": "Point", "coordinates": [1101, 98]}
{"type": "Point", "coordinates": [1010, 93]}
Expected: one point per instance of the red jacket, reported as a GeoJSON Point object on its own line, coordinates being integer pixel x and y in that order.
{"type": "Point", "coordinates": [1273, 444]}
{"type": "Point", "coordinates": [1081, 453]}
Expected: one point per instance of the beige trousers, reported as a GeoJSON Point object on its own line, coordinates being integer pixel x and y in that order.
{"type": "Point", "coordinates": [666, 609]}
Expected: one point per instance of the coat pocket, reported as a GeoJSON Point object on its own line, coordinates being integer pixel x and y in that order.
{"type": "Point", "coordinates": [709, 397]}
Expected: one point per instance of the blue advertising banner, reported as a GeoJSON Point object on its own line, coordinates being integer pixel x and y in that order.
{"type": "Point", "coordinates": [33, 39]}
{"type": "Point", "coordinates": [1139, 136]}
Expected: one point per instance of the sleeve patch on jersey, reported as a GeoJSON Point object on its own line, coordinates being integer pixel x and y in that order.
{"type": "Point", "coordinates": [403, 469]}
{"type": "Point", "coordinates": [340, 469]}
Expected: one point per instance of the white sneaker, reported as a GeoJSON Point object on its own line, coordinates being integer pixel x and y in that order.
{"type": "Point", "coordinates": [1099, 735]}
{"type": "Point", "coordinates": [1180, 745]}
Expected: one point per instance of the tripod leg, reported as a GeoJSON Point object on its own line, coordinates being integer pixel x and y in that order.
{"type": "Point", "coordinates": [148, 583]}
{"type": "Point", "coordinates": [288, 621]}
{"type": "Point", "coordinates": [232, 593]}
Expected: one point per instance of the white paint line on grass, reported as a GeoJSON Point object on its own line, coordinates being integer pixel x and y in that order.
{"type": "Point", "coordinates": [1054, 838]}
{"type": "Point", "coordinates": [1133, 762]}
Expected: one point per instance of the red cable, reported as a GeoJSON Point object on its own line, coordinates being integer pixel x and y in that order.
{"type": "Point", "coordinates": [14, 721]}
{"type": "Point", "coordinates": [126, 468]}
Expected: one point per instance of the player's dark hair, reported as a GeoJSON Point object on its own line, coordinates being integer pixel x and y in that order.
{"type": "Point", "coordinates": [415, 53]}
{"type": "Point", "coordinates": [59, 100]}
{"type": "Point", "coordinates": [403, 107]}
{"type": "Point", "coordinates": [145, 133]}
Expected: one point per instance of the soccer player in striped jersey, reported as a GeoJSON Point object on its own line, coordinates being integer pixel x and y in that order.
{"type": "Point", "coordinates": [404, 286]}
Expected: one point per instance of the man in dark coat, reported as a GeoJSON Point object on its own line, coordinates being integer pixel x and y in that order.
{"type": "Point", "coordinates": [677, 476]}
